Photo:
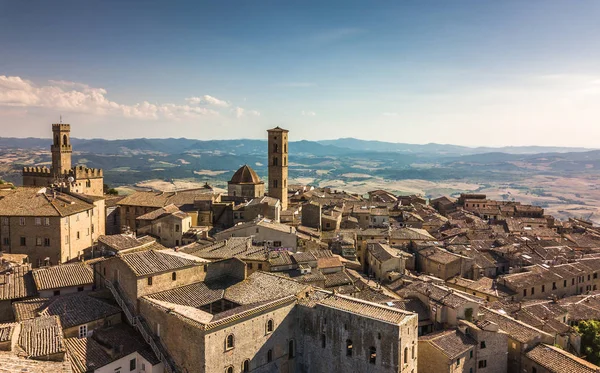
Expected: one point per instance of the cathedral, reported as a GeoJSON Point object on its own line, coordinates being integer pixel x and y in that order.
{"type": "Point", "coordinates": [78, 179]}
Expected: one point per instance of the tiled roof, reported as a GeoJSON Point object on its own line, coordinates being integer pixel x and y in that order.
{"type": "Point", "coordinates": [556, 360]}
{"type": "Point", "coordinates": [105, 346]}
{"type": "Point", "coordinates": [11, 363]}
{"type": "Point", "coordinates": [6, 332]}
{"type": "Point", "coordinates": [121, 242]}
{"type": "Point", "coordinates": [160, 212]}
{"type": "Point", "coordinates": [382, 252]}
{"type": "Point", "coordinates": [194, 295]}
{"type": "Point", "coordinates": [161, 199]}
{"type": "Point", "coordinates": [262, 286]}
{"type": "Point", "coordinates": [148, 262]}
{"type": "Point", "coordinates": [17, 284]}
{"type": "Point", "coordinates": [28, 201]}
{"type": "Point", "coordinates": [515, 329]}
{"type": "Point", "coordinates": [413, 305]}
{"type": "Point", "coordinates": [62, 276]}
{"type": "Point", "coordinates": [41, 337]}
{"type": "Point", "coordinates": [332, 262]}
{"type": "Point", "coordinates": [451, 343]}
{"type": "Point", "coordinates": [363, 308]}
{"type": "Point", "coordinates": [73, 309]}
{"type": "Point", "coordinates": [245, 175]}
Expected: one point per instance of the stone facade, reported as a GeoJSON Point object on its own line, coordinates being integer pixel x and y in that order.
{"type": "Point", "coordinates": [77, 179]}
{"type": "Point", "coordinates": [278, 165]}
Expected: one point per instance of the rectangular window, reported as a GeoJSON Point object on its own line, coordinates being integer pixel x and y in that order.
{"type": "Point", "coordinates": [46, 242]}
{"type": "Point", "coordinates": [38, 221]}
{"type": "Point", "coordinates": [132, 364]}
{"type": "Point", "coordinates": [174, 276]}
{"type": "Point", "coordinates": [259, 265]}
{"type": "Point", "coordinates": [23, 241]}
{"type": "Point", "coordinates": [77, 235]}
{"type": "Point", "coordinates": [249, 265]}
{"type": "Point", "coordinates": [482, 363]}
{"type": "Point", "coordinates": [46, 221]}
{"type": "Point", "coordinates": [176, 227]}
{"type": "Point", "coordinates": [21, 221]}
{"type": "Point", "coordinates": [6, 241]}
{"type": "Point", "coordinates": [83, 331]}
{"type": "Point", "coordinates": [87, 213]}
{"type": "Point", "coordinates": [149, 281]}
{"type": "Point", "coordinates": [92, 228]}
{"type": "Point", "coordinates": [38, 241]}
{"type": "Point", "coordinates": [482, 344]}
{"type": "Point", "coordinates": [458, 361]}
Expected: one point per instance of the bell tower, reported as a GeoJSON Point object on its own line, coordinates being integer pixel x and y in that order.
{"type": "Point", "coordinates": [278, 165]}
{"type": "Point", "coordinates": [61, 148]}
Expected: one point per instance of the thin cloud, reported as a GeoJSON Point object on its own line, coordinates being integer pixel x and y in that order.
{"type": "Point", "coordinates": [207, 100]}
{"type": "Point", "coordinates": [308, 113]}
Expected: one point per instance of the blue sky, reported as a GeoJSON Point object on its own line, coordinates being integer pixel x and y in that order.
{"type": "Point", "coordinates": [464, 72]}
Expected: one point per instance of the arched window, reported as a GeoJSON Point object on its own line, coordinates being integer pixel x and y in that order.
{"type": "Point", "coordinates": [285, 148]}
{"type": "Point", "coordinates": [413, 352]}
{"type": "Point", "coordinates": [65, 140]}
{"type": "Point", "coordinates": [229, 370]}
{"type": "Point", "coordinates": [275, 148]}
{"type": "Point", "coordinates": [229, 342]}
{"type": "Point", "coordinates": [285, 161]}
{"type": "Point", "coordinates": [323, 341]}
{"type": "Point", "coordinates": [372, 355]}
{"type": "Point", "coordinates": [246, 366]}
{"type": "Point", "coordinates": [270, 326]}
{"type": "Point", "coordinates": [405, 355]}
{"type": "Point", "coordinates": [348, 347]}
{"type": "Point", "coordinates": [269, 356]}
{"type": "Point", "coordinates": [291, 349]}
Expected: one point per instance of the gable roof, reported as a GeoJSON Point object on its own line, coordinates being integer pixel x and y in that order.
{"type": "Point", "coordinates": [41, 202]}
{"type": "Point", "coordinates": [62, 276]}
{"type": "Point", "coordinates": [451, 343]}
{"type": "Point", "coordinates": [557, 360]}
{"type": "Point", "coordinates": [148, 262]}
{"type": "Point", "coordinates": [17, 283]}
{"type": "Point", "coordinates": [42, 336]}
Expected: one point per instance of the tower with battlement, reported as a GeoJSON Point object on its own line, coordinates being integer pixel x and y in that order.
{"type": "Point", "coordinates": [78, 179]}
{"type": "Point", "coordinates": [278, 165]}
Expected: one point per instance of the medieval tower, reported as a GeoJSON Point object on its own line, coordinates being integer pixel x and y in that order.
{"type": "Point", "coordinates": [278, 165]}
{"type": "Point", "coordinates": [78, 179]}
{"type": "Point", "coordinates": [61, 148]}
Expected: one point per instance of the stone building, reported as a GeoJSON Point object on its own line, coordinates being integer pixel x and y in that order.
{"type": "Point", "coordinates": [265, 231]}
{"type": "Point", "coordinates": [168, 224]}
{"type": "Point", "coordinates": [546, 358]}
{"type": "Point", "coordinates": [278, 165]}
{"type": "Point", "coordinates": [78, 179]}
{"type": "Point", "coordinates": [245, 185]}
{"type": "Point", "coordinates": [384, 262]}
{"type": "Point", "coordinates": [447, 351]}
{"type": "Point", "coordinates": [49, 226]}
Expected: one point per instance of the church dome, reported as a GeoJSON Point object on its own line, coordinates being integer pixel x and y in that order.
{"type": "Point", "coordinates": [245, 175]}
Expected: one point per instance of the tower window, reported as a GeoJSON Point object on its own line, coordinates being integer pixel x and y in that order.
{"type": "Point", "coordinates": [246, 366]}
{"type": "Point", "coordinates": [275, 161]}
{"type": "Point", "coordinates": [275, 148]}
{"type": "Point", "coordinates": [275, 183]}
{"type": "Point", "coordinates": [229, 342]}
{"type": "Point", "coordinates": [65, 140]}
{"type": "Point", "coordinates": [372, 355]}
{"type": "Point", "coordinates": [348, 347]}
{"type": "Point", "coordinates": [269, 326]}
{"type": "Point", "coordinates": [269, 356]}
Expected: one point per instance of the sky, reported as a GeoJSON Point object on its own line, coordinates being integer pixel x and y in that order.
{"type": "Point", "coordinates": [466, 72]}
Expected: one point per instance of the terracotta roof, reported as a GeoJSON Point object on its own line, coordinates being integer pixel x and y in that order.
{"type": "Point", "coordinates": [62, 276]}
{"type": "Point", "coordinates": [331, 262]}
{"type": "Point", "coordinates": [42, 336]}
{"type": "Point", "coordinates": [451, 343]}
{"type": "Point", "coordinates": [245, 175]}
{"type": "Point", "coordinates": [105, 346]}
{"type": "Point", "coordinates": [160, 212]}
{"type": "Point", "coordinates": [363, 308]}
{"type": "Point", "coordinates": [17, 284]}
{"type": "Point", "coordinates": [262, 286]}
{"type": "Point", "coordinates": [11, 362]}
{"type": "Point", "coordinates": [28, 201]}
{"type": "Point", "coordinates": [73, 309]}
{"type": "Point", "coordinates": [6, 332]}
{"type": "Point", "coordinates": [516, 329]}
{"type": "Point", "coordinates": [194, 295]}
{"type": "Point", "coordinates": [148, 262]}
{"type": "Point", "coordinates": [121, 242]}
{"type": "Point", "coordinates": [556, 360]}
{"type": "Point", "coordinates": [161, 199]}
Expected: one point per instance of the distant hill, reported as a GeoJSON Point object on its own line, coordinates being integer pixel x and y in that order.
{"type": "Point", "coordinates": [337, 147]}
{"type": "Point", "coordinates": [442, 149]}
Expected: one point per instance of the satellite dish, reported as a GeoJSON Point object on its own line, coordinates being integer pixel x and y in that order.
{"type": "Point", "coordinates": [70, 179]}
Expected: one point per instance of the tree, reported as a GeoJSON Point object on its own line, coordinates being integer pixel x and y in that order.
{"type": "Point", "coordinates": [590, 340]}
{"type": "Point", "coordinates": [110, 191]}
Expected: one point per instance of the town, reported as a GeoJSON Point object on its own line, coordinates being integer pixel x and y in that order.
{"type": "Point", "coordinates": [275, 276]}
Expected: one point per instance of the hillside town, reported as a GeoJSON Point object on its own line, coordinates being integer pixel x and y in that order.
{"type": "Point", "coordinates": [275, 276]}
